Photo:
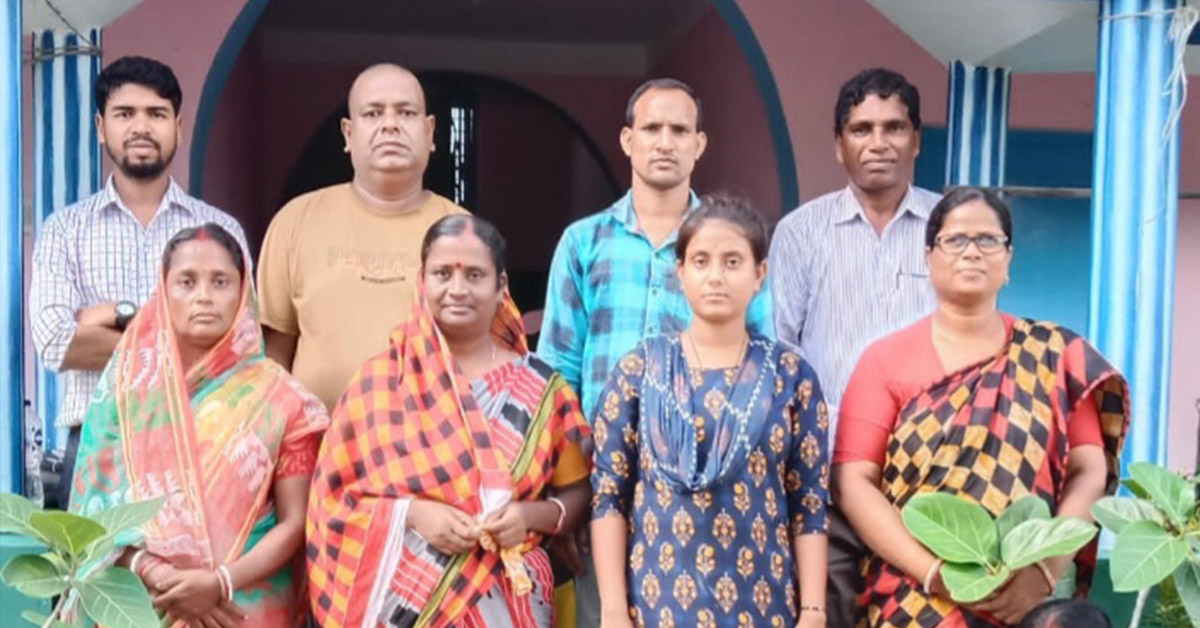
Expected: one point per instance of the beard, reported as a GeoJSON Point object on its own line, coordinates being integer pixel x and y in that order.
{"type": "Point", "coordinates": [144, 170]}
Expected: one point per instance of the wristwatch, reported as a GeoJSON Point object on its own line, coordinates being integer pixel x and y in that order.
{"type": "Point", "coordinates": [125, 313]}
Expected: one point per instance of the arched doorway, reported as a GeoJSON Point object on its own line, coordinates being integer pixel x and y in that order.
{"type": "Point", "coordinates": [284, 68]}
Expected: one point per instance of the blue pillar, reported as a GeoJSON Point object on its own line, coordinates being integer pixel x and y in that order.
{"type": "Point", "coordinates": [977, 124]}
{"type": "Point", "coordinates": [1135, 184]}
{"type": "Point", "coordinates": [66, 159]}
{"type": "Point", "coordinates": [11, 322]}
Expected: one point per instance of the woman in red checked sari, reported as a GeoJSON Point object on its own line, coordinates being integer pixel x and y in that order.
{"type": "Point", "coordinates": [190, 408]}
{"type": "Point", "coordinates": [451, 456]}
{"type": "Point", "coordinates": [979, 404]}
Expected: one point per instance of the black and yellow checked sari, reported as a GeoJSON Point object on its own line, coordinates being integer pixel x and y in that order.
{"type": "Point", "coordinates": [988, 433]}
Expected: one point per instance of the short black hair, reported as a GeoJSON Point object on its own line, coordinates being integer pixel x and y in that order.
{"type": "Point", "coordinates": [456, 224]}
{"type": "Point", "coordinates": [1066, 614]}
{"type": "Point", "coordinates": [734, 209]}
{"type": "Point", "coordinates": [881, 82]}
{"type": "Point", "coordinates": [664, 83]}
{"type": "Point", "coordinates": [139, 71]}
{"type": "Point", "coordinates": [207, 231]}
{"type": "Point", "coordinates": [960, 196]}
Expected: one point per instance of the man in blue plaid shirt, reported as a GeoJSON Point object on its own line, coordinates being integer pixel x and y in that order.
{"type": "Point", "coordinates": [613, 281]}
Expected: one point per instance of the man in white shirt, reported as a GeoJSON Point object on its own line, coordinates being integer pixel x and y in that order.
{"type": "Point", "coordinates": [97, 261]}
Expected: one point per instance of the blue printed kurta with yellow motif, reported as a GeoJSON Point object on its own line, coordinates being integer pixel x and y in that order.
{"type": "Point", "coordinates": [721, 556]}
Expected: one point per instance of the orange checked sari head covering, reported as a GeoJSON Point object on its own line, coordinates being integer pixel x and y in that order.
{"type": "Point", "coordinates": [408, 427]}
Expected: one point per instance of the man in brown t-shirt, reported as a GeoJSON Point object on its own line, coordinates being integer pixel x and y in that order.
{"type": "Point", "coordinates": [339, 265]}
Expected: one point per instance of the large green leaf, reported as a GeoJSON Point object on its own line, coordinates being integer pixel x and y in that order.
{"type": "Point", "coordinates": [970, 583]}
{"type": "Point", "coordinates": [1144, 554]}
{"type": "Point", "coordinates": [1135, 488]}
{"type": "Point", "coordinates": [34, 576]}
{"type": "Point", "coordinates": [122, 524]}
{"type": "Point", "coordinates": [66, 532]}
{"type": "Point", "coordinates": [100, 548]}
{"type": "Point", "coordinates": [1187, 583]}
{"type": "Point", "coordinates": [14, 514]}
{"type": "Point", "coordinates": [1020, 511]}
{"type": "Point", "coordinates": [1170, 492]}
{"type": "Point", "coordinates": [116, 598]}
{"type": "Point", "coordinates": [1115, 513]}
{"type": "Point", "coordinates": [957, 530]}
{"type": "Point", "coordinates": [121, 518]}
{"type": "Point", "coordinates": [1039, 539]}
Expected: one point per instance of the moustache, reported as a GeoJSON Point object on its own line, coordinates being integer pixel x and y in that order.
{"type": "Point", "coordinates": [148, 140]}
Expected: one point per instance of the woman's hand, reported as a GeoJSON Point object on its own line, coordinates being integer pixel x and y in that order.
{"type": "Point", "coordinates": [448, 529]}
{"type": "Point", "coordinates": [155, 574]}
{"type": "Point", "coordinates": [189, 593]}
{"type": "Point", "coordinates": [1025, 590]}
{"type": "Point", "coordinates": [508, 525]}
{"type": "Point", "coordinates": [565, 548]}
{"type": "Point", "coordinates": [224, 615]}
{"type": "Point", "coordinates": [811, 619]}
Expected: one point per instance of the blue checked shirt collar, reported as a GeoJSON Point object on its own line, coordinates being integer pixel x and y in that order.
{"type": "Point", "coordinates": [622, 211]}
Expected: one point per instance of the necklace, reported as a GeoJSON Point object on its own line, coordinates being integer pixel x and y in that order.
{"type": "Point", "coordinates": [727, 403]}
{"type": "Point", "coordinates": [667, 402]}
{"type": "Point", "coordinates": [696, 351]}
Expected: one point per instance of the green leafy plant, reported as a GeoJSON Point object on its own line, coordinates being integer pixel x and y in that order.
{"type": "Point", "coordinates": [1157, 536]}
{"type": "Point", "coordinates": [981, 553]}
{"type": "Point", "coordinates": [111, 596]}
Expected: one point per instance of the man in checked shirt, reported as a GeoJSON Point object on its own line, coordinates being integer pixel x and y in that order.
{"type": "Point", "coordinates": [612, 279]}
{"type": "Point", "coordinates": [849, 267]}
{"type": "Point", "coordinates": [96, 261]}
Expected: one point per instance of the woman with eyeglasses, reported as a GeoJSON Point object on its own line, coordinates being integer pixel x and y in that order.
{"type": "Point", "coordinates": [976, 403]}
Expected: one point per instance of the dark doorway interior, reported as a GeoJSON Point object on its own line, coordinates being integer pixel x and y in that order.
{"type": "Point", "coordinates": [503, 152]}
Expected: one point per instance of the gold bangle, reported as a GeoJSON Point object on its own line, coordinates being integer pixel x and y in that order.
{"type": "Point", "coordinates": [1051, 581]}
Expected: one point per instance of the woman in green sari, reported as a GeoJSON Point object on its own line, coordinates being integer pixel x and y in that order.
{"type": "Point", "coordinates": [190, 409]}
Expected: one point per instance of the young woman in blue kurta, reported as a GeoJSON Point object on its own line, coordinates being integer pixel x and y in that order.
{"type": "Point", "coordinates": [711, 470]}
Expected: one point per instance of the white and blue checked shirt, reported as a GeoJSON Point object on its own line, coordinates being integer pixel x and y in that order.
{"type": "Point", "coordinates": [838, 285]}
{"type": "Point", "coordinates": [610, 288]}
{"type": "Point", "coordinates": [96, 251]}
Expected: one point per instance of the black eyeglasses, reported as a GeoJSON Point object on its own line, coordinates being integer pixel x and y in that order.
{"type": "Point", "coordinates": [987, 243]}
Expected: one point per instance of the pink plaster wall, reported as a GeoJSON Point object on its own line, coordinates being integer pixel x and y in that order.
{"type": "Point", "coordinates": [811, 48]}
{"type": "Point", "coordinates": [184, 34]}
{"type": "Point", "coordinates": [234, 172]}
{"type": "Point", "coordinates": [1185, 362]}
{"type": "Point", "coordinates": [741, 153]}
{"type": "Point", "coordinates": [814, 47]}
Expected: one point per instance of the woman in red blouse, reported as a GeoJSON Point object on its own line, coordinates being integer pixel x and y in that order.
{"type": "Point", "coordinates": [976, 403]}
